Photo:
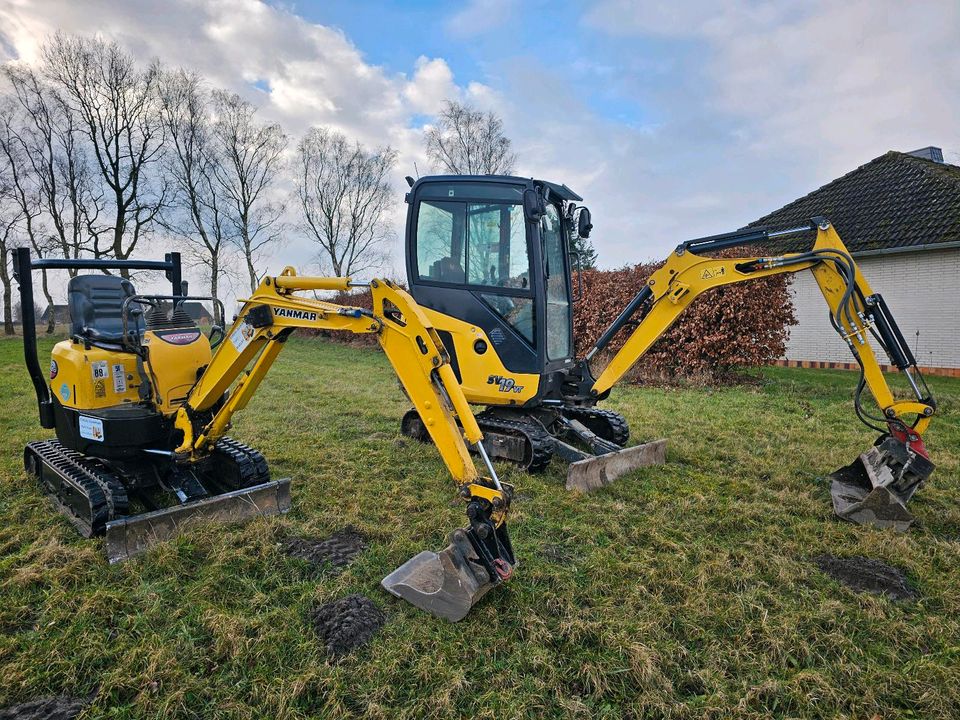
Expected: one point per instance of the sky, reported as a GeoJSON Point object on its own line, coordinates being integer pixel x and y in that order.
{"type": "Point", "coordinates": [673, 120]}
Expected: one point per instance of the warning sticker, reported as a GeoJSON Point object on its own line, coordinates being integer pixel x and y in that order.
{"type": "Point", "coordinates": [99, 370]}
{"type": "Point", "coordinates": [242, 336]}
{"type": "Point", "coordinates": [100, 389]}
{"type": "Point", "coordinates": [119, 379]}
{"type": "Point", "coordinates": [91, 428]}
{"type": "Point", "coordinates": [714, 272]}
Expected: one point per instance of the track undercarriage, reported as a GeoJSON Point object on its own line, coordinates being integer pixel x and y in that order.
{"type": "Point", "coordinates": [586, 437]}
{"type": "Point", "coordinates": [138, 504]}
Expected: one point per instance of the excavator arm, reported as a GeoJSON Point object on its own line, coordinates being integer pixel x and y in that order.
{"type": "Point", "coordinates": [877, 486]}
{"type": "Point", "coordinates": [480, 555]}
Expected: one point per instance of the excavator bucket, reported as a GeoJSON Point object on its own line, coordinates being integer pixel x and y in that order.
{"type": "Point", "coordinates": [595, 472]}
{"type": "Point", "coordinates": [445, 584]}
{"type": "Point", "coordinates": [876, 487]}
{"type": "Point", "coordinates": [131, 536]}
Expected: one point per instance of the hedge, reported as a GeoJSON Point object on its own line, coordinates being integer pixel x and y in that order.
{"type": "Point", "coordinates": [727, 328]}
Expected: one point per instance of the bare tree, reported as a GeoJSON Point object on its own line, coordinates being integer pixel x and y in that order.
{"type": "Point", "coordinates": [466, 141]}
{"type": "Point", "coordinates": [22, 189]}
{"type": "Point", "coordinates": [10, 218]}
{"type": "Point", "coordinates": [117, 106]}
{"type": "Point", "coordinates": [342, 191]}
{"type": "Point", "coordinates": [251, 156]}
{"type": "Point", "coordinates": [54, 152]}
{"type": "Point", "coordinates": [197, 211]}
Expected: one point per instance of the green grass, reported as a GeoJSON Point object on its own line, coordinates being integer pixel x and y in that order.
{"type": "Point", "coordinates": [684, 591]}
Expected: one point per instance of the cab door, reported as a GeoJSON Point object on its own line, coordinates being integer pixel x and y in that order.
{"type": "Point", "coordinates": [558, 310]}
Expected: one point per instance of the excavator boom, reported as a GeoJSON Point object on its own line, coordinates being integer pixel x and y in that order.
{"type": "Point", "coordinates": [877, 486]}
{"type": "Point", "coordinates": [479, 556]}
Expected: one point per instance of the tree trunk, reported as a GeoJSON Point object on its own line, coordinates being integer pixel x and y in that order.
{"type": "Point", "coordinates": [253, 273]}
{"type": "Point", "coordinates": [214, 282]}
{"type": "Point", "coordinates": [52, 322]}
{"type": "Point", "coordinates": [7, 304]}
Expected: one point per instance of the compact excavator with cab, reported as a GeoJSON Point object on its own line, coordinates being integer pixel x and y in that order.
{"type": "Point", "coordinates": [489, 261]}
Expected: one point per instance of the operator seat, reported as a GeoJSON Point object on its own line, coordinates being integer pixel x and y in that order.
{"type": "Point", "coordinates": [447, 270]}
{"type": "Point", "coordinates": [96, 304]}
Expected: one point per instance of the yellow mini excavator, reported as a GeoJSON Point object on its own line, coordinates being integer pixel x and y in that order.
{"type": "Point", "coordinates": [141, 406]}
{"type": "Point", "coordinates": [488, 260]}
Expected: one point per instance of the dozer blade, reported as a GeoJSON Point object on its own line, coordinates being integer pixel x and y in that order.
{"type": "Point", "coordinates": [132, 535]}
{"type": "Point", "coordinates": [595, 472]}
{"type": "Point", "coordinates": [875, 488]}
{"type": "Point", "coordinates": [445, 584]}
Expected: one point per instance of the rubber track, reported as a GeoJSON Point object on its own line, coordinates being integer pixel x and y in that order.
{"type": "Point", "coordinates": [97, 484]}
{"type": "Point", "coordinates": [251, 466]}
{"type": "Point", "coordinates": [617, 429]}
{"type": "Point", "coordinates": [539, 441]}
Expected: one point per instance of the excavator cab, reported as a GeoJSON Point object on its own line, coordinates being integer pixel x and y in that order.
{"type": "Point", "coordinates": [490, 254]}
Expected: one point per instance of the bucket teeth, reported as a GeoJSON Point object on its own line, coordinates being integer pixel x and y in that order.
{"type": "Point", "coordinates": [445, 584]}
{"type": "Point", "coordinates": [876, 487]}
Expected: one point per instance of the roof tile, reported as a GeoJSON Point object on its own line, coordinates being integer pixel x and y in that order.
{"type": "Point", "coordinates": [894, 201]}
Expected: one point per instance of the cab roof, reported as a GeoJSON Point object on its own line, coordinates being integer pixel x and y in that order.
{"type": "Point", "coordinates": [561, 191]}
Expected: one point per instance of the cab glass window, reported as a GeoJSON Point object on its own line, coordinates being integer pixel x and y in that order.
{"type": "Point", "coordinates": [476, 243]}
{"type": "Point", "coordinates": [440, 247]}
{"type": "Point", "coordinates": [559, 342]}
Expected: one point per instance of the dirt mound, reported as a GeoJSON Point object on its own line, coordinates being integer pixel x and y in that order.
{"type": "Point", "coordinates": [61, 707]}
{"type": "Point", "coordinates": [346, 624]}
{"type": "Point", "coordinates": [336, 551]}
{"type": "Point", "coordinates": [865, 574]}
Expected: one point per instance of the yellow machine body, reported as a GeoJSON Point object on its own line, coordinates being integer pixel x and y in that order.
{"type": "Point", "coordinates": [483, 376]}
{"type": "Point", "coordinates": [175, 359]}
{"type": "Point", "coordinates": [90, 378]}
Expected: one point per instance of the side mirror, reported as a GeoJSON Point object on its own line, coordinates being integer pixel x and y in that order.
{"type": "Point", "coordinates": [533, 207]}
{"type": "Point", "coordinates": [584, 224]}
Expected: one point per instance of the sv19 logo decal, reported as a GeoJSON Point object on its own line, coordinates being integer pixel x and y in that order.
{"type": "Point", "coordinates": [294, 314]}
{"type": "Point", "coordinates": [506, 384]}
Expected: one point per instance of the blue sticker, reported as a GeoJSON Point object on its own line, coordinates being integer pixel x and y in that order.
{"type": "Point", "coordinates": [65, 392]}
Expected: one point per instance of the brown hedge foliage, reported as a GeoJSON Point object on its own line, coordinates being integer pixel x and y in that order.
{"type": "Point", "coordinates": [727, 328]}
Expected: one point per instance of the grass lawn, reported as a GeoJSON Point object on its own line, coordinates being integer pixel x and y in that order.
{"type": "Point", "coordinates": [684, 591]}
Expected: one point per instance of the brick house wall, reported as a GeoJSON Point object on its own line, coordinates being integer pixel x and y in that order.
{"type": "Point", "coordinates": [923, 292]}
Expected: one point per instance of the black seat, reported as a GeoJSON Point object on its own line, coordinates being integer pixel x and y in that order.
{"type": "Point", "coordinates": [96, 304]}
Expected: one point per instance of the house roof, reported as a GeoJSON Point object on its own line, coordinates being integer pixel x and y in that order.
{"type": "Point", "coordinates": [196, 310]}
{"type": "Point", "coordinates": [894, 201]}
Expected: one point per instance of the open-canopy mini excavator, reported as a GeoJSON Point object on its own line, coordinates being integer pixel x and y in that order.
{"type": "Point", "coordinates": [488, 260]}
{"type": "Point", "coordinates": [141, 406]}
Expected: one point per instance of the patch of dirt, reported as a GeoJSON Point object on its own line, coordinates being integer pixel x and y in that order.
{"type": "Point", "coordinates": [61, 707]}
{"type": "Point", "coordinates": [346, 624]}
{"type": "Point", "coordinates": [865, 574]}
{"type": "Point", "coordinates": [336, 551]}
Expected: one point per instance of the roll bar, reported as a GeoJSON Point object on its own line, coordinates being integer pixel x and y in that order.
{"type": "Point", "coordinates": [23, 268]}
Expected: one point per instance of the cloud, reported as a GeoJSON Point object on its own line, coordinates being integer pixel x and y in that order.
{"type": "Point", "coordinates": [841, 82]}
{"type": "Point", "coordinates": [479, 17]}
